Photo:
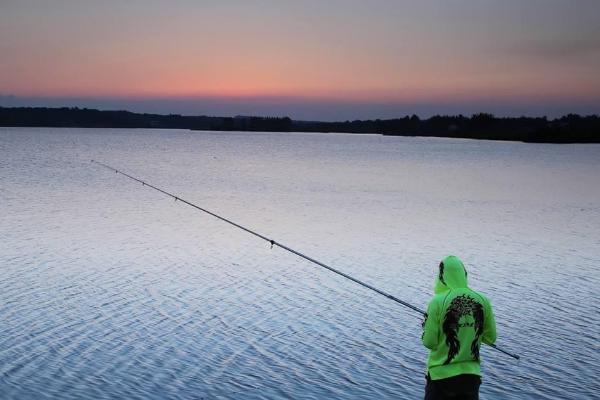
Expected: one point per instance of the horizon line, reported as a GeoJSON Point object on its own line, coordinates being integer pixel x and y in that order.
{"type": "Point", "coordinates": [311, 108]}
{"type": "Point", "coordinates": [408, 115]}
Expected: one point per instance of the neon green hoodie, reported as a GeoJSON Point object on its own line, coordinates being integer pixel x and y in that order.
{"type": "Point", "coordinates": [458, 319]}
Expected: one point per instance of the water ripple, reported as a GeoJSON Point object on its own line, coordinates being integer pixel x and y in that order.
{"type": "Point", "coordinates": [110, 291]}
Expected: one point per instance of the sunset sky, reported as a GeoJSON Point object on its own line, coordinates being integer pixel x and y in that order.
{"type": "Point", "coordinates": [326, 59]}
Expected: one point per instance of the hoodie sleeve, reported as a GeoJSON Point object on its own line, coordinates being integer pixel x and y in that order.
{"type": "Point", "coordinates": [489, 325]}
{"type": "Point", "coordinates": [431, 326]}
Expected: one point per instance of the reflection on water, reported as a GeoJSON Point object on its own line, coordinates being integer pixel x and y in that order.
{"type": "Point", "coordinates": [111, 290]}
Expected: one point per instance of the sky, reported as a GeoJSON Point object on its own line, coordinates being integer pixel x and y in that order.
{"type": "Point", "coordinates": [315, 60]}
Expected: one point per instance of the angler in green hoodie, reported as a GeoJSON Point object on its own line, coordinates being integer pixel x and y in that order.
{"type": "Point", "coordinates": [458, 319]}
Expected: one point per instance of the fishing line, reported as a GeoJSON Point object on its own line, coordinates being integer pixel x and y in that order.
{"type": "Point", "coordinates": [272, 242]}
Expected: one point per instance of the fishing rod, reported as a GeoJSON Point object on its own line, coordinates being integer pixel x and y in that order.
{"type": "Point", "coordinates": [284, 247]}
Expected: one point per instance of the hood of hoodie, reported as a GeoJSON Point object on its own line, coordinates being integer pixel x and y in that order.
{"type": "Point", "coordinates": [451, 275]}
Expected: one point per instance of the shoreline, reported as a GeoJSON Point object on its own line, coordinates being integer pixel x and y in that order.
{"type": "Point", "coordinates": [571, 128]}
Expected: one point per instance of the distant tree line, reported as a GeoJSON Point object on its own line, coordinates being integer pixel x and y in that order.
{"type": "Point", "coordinates": [571, 128]}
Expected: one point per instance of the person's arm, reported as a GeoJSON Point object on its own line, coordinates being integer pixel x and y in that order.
{"type": "Point", "coordinates": [489, 325]}
{"type": "Point", "coordinates": [431, 326]}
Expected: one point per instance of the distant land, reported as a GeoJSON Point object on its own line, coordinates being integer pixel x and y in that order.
{"type": "Point", "coordinates": [571, 128]}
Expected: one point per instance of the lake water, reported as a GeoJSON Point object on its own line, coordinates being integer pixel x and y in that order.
{"type": "Point", "coordinates": [109, 290]}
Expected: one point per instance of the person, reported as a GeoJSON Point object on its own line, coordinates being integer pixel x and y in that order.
{"type": "Point", "coordinates": [458, 319]}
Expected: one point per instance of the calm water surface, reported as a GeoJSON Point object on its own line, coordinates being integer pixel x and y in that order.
{"type": "Point", "coordinates": [109, 290]}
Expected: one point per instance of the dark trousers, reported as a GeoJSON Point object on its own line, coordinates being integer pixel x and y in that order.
{"type": "Point", "coordinates": [460, 387]}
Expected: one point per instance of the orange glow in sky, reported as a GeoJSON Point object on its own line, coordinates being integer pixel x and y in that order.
{"type": "Point", "coordinates": [339, 50]}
